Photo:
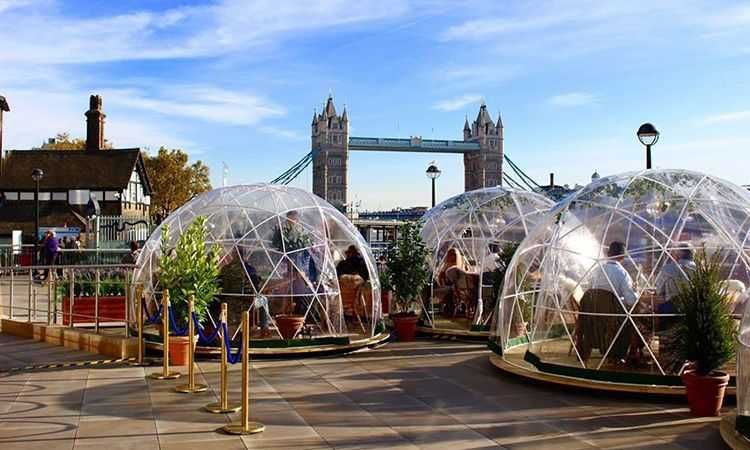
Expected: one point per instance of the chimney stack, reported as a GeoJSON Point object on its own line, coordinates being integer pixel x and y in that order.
{"type": "Point", "coordinates": [95, 124]}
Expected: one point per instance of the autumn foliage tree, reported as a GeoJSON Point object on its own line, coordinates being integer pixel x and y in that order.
{"type": "Point", "coordinates": [63, 141]}
{"type": "Point", "coordinates": [173, 180]}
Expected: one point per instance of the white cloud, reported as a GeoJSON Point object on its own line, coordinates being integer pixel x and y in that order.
{"type": "Point", "coordinates": [558, 29]}
{"type": "Point", "coordinates": [737, 116]}
{"type": "Point", "coordinates": [475, 75]}
{"type": "Point", "coordinates": [291, 135]}
{"type": "Point", "coordinates": [454, 104]}
{"type": "Point", "coordinates": [41, 113]}
{"type": "Point", "coordinates": [42, 35]}
{"type": "Point", "coordinates": [572, 99]}
{"type": "Point", "coordinates": [199, 102]}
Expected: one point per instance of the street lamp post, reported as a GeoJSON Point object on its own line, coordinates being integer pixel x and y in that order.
{"type": "Point", "coordinates": [648, 135]}
{"type": "Point", "coordinates": [433, 173]}
{"type": "Point", "coordinates": [36, 175]}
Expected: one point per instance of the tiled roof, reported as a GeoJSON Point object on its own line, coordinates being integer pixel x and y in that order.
{"type": "Point", "coordinates": [72, 169]}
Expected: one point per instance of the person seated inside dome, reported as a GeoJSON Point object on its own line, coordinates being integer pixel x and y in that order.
{"type": "Point", "coordinates": [612, 277]}
{"type": "Point", "coordinates": [353, 264]}
{"type": "Point", "coordinates": [674, 272]}
{"type": "Point", "coordinates": [610, 294]}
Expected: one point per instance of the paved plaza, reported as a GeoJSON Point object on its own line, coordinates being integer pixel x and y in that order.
{"type": "Point", "coordinates": [427, 394]}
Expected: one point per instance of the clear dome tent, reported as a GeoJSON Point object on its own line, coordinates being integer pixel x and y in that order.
{"type": "Point", "coordinates": [471, 238]}
{"type": "Point", "coordinates": [591, 289]}
{"type": "Point", "coordinates": [280, 248]}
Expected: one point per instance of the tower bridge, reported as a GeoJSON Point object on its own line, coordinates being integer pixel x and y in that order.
{"type": "Point", "coordinates": [481, 147]}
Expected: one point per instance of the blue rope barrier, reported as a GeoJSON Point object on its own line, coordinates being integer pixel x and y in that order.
{"type": "Point", "coordinates": [176, 329]}
{"type": "Point", "coordinates": [203, 339]}
{"type": "Point", "coordinates": [151, 319]}
{"type": "Point", "coordinates": [237, 357]}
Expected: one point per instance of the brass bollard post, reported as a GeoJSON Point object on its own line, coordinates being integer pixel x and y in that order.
{"type": "Point", "coordinates": [223, 406]}
{"type": "Point", "coordinates": [139, 359]}
{"type": "Point", "coordinates": [191, 387]}
{"type": "Point", "coordinates": [165, 374]}
{"type": "Point", "coordinates": [245, 426]}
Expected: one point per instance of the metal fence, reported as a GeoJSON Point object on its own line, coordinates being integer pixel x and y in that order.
{"type": "Point", "coordinates": [11, 256]}
{"type": "Point", "coordinates": [122, 229]}
{"type": "Point", "coordinates": [88, 296]}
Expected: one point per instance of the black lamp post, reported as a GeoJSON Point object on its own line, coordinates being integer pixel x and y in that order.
{"type": "Point", "coordinates": [36, 175]}
{"type": "Point", "coordinates": [433, 173]}
{"type": "Point", "coordinates": [648, 135]}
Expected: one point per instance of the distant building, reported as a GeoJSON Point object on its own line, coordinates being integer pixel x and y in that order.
{"type": "Point", "coordinates": [557, 192]}
{"type": "Point", "coordinates": [380, 228]}
{"type": "Point", "coordinates": [116, 178]}
{"type": "Point", "coordinates": [399, 214]}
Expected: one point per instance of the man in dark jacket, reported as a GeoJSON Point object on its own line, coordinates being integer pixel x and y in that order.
{"type": "Point", "coordinates": [354, 264]}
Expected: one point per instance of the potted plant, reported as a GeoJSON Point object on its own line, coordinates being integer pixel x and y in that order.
{"type": "Point", "coordinates": [407, 273]}
{"type": "Point", "coordinates": [189, 269]}
{"type": "Point", "coordinates": [705, 334]}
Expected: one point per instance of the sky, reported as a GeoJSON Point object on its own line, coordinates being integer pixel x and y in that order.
{"type": "Point", "coordinates": [237, 82]}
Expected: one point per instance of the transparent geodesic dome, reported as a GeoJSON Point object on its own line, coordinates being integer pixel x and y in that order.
{"type": "Point", "coordinates": [471, 238]}
{"type": "Point", "coordinates": [566, 303]}
{"type": "Point", "coordinates": [280, 248]}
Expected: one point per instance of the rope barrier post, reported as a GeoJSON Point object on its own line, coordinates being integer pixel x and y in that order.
{"type": "Point", "coordinates": [166, 374]}
{"type": "Point", "coordinates": [191, 387]}
{"type": "Point", "coordinates": [223, 406]}
{"type": "Point", "coordinates": [245, 426]}
{"type": "Point", "coordinates": [140, 357]}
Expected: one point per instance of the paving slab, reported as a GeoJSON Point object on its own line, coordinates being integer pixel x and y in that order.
{"type": "Point", "coordinates": [420, 395]}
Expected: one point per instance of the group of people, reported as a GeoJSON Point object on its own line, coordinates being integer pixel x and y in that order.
{"type": "Point", "coordinates": [293, 282]}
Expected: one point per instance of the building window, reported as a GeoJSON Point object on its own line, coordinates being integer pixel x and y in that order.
{"type": "Point", "coordinates": [11, 195]}
{"type": "Point", "coordinates": [26, 196]}
{"type": "Point", "coordinates": [60, 196]}
{"type": "Point", "coordinates": [111, 196]}
{"type": "Point", "coordinates": [334, 162]}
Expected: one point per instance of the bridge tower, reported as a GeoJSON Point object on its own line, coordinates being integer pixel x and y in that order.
{"type": "Point", "coordinates": [330, 145]}
{"type": "Point", "coordinates": [484, 169]}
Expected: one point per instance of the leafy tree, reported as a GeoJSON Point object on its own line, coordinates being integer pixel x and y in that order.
{"type": "Point", "coordinates": [173, 180]}
{"type": "Point", "coordinates": [63, 141]}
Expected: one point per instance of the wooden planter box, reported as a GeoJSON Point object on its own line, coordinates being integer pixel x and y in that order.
{"type": "Point", "coordinates": [111, 309]}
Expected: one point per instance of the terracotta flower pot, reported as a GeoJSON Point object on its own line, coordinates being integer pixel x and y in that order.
{"type": "Point", "coordinates": [406, 326]}
{"type": "Point", "coordinates": [179, 346]}
{"type": "Point", "coordinates": [289, 325]}
{"type": "Point", "coordinates": [705, 393]}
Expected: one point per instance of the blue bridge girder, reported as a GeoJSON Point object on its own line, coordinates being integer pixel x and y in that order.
{"type": "Point", "coordinates": [411, 145]}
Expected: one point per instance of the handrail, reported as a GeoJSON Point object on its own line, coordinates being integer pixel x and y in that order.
{"type": "Point", "coordinates": [69, 266]}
